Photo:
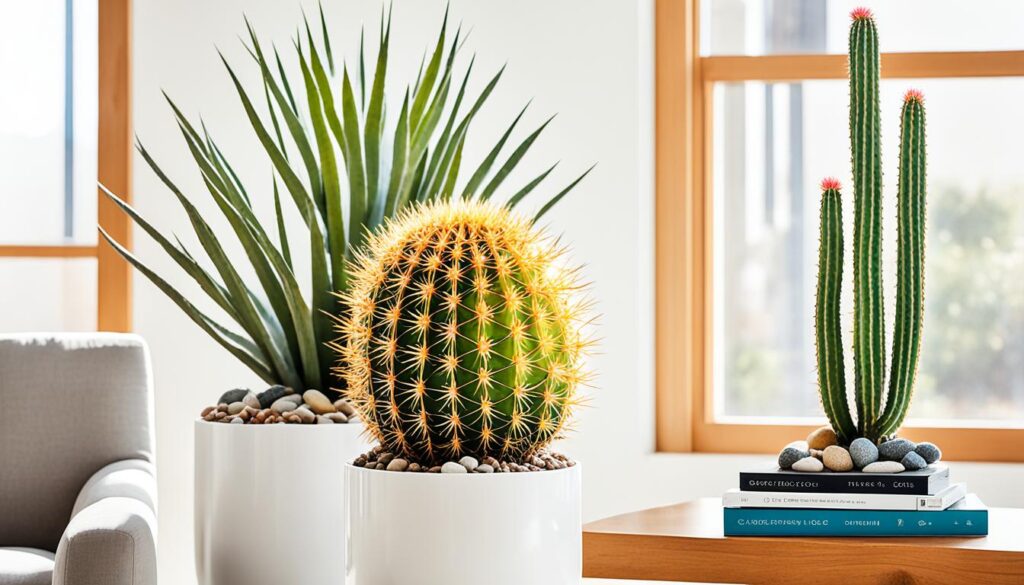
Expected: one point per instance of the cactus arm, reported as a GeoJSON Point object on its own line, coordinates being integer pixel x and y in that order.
{"type": "Point", "coordinates": [906, 344]}
{"type": "Point", "coordinates": [828, 332]}
{"type": "Point", "coordinates": [865, 138]}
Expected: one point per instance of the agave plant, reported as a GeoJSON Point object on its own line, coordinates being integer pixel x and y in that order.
{"type": "Point", "coordinates": [325, 137]}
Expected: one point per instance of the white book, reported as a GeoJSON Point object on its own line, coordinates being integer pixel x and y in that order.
{"type": "Point", "coordinates": [945, 498]}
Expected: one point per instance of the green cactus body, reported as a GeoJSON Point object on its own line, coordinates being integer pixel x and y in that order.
{"type": "Point", "coordinates": [464, 337]}
{"type": "Point", "coordinates": [873, 421]}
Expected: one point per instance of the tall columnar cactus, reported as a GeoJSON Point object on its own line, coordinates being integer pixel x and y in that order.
{"type": "Point", "coordinates": [464, 335]}
{"type": "Point", "coordinates": [874, 419]}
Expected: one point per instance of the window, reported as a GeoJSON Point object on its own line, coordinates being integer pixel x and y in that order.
{"type": "Point", "coordinates": [64, 125]}
{"type": "Point", "coordinates": [751, 114]}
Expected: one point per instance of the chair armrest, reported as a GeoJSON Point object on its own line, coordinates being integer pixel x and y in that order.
{"type": "Point", "coordinates": [111, 539]}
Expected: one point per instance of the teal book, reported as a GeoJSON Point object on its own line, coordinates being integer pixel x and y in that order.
{"type": "Point", "coordinates": [968, 517]}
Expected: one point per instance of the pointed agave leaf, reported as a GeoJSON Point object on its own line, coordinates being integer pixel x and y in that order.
{"type": "Point", "coordinates": [356, 177]}
{"type": "Point", "coordinates": [221, 162]}
{"type": "Point", "coordinates": [515, 199]}
{"type": "Point", "coordinates": [485, 166]}
{"type": "Point", "coordinates": [327, 100]}
{"type": "Point", "coordinates": [253, 361]}
{"type": "Point", "coordinates": [284, 170]}
{"type": "Point", "coordinates": [279, 322]}
{"type": "Point", "coordinates": [453, 171]}
{"type": "Point", "coordinates": [284, 81]}
{"type": "Point", "coordinates": [425, 86]}
{"type": "Point", "coordinates": [282, 234]}
{"type": "Point", "coordinates": [447, 142]}
{"type": "Point", "coordinates": [273, 120]}
{"type": "Point", "coordinates": [327, 39]}
{"type": "Point", "coordinates": [211, 287]}
{"type": "Point", "coordinates": [332, 187]}
{"type": "Point", "coordinates": [551, 203]}
{"type": "Point", "coordinates": [362, 68]}
{"type": "Point", "coordinates": [291, 120]}
{"type": "Point", "coordinates": [375, 122]}
{"type": "Point", "coordinates": [400, 151]}
{"type": "Point", "coordinates": [513, 160]}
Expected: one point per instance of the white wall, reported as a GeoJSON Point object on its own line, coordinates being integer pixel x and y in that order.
{"type": "Point", "coordinates": [588, 60]}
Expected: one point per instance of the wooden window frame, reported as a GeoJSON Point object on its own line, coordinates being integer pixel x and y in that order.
{"type": "Point", "coordinates": [684, 81]}
{"type": "Point", "coordinates": [114, 169]}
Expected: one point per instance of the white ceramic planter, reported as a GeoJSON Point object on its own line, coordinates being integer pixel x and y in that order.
{"type": "Point", "coordinates": [464, 529]}
{"type": "Point", "coordinates": [270, 502]}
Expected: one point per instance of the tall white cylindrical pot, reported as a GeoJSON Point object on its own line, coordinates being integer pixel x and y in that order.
{"type": "Point", "coordinates": [464, 529]}
{"type": "Point", "coordinates": [270, 502]}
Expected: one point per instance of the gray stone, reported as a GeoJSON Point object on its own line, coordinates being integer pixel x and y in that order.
{"type": "Point", "coordinates": [317, 402]}
{"type": "Point", "coordinates": [483, 468]}
{"type": "Point", "coordinates": [251, 401]}
{"type": "Point", "coordinates": [453, 467]}
{"type": "Point", "coordinates": [791, 455]}
{"type": "Point", "coordinates": [913, 461]}
{"type": "Point", "coordinates": [930, 452]}
{"type": "Point", "coordinates": [398, 465]}
{"type": "Point", "coordinates": [237, 421]}
{"type": "Point", "coordinates": [305, 415]}
{"type": "Point", "coordinates": [323, 420]}
{"type": "Point", "coordinates": [469, 463]}
{"type": "Point", "coordinates": [895, 449]}
{"type": "Point", "coordinates": [884, 467]}
{"type": "Point", "coordinates": [283, 405]}
{"type": "Point", "coordinates": [235, 395]}
{"type": "Point", "coordinates": [236, 407]}
{"type": "Point", "coordinates": [344, 406]}
{"type": "Point", "coordinates": [809, 465]}
{"type": "Point", "coordinates": [863, 451]}
{"type": "Point", "coordinates": [271, 395]}
{"type": "Point", "coordinates": [337, 417]}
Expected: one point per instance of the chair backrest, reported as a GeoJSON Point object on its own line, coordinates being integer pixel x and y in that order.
{"type": "Point", "coordinates": [70, 404]}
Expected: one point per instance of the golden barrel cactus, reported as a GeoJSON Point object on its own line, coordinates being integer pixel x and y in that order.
{"type": "Point", "coordinates": [464, 334]}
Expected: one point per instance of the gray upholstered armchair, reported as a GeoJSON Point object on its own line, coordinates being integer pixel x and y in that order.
{"type": "Point", "coordinates": [77, 484]}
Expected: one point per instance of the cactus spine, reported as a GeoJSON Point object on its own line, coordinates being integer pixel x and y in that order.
{"type": "Point", "coordinates": [873, 421]}
{"type": "Point", "coordinates": [464, 336]}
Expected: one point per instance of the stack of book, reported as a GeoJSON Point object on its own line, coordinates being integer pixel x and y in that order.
{"type": "Point", "coordinates": [776, 502]}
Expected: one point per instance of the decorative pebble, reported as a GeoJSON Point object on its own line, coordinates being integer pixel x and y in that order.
{"type": "Point", "coordinates": [317, 402]}
{"type": "Point", "coordinates": [398, 465]}
{"type": "Point", "coordinates": [453, 467]}
{"type": "Point", "coordinates": [251, 401]}
{"type": "Point", "coordinates": [237, 421]}
{"type": "Point", "coordinates": [895, 449]}
{"type": "Point", "coordinates": [272, 395]}
{"type": "Point", "coordinates": [323, 420]}
{"type": "Point", "coordinates": [469, 463]}
{"type": "Point", "coordinates": [235, 395]}
{"type": "Point", "coordinates": [930, 452]}
{"type": "Point", "coordinates": [912, 461]}
{"type": "Point", "coordinates": [483, 468]}
{"type": "Point", "coordinates": [884, 467]}
{"type": "Point", "coordinates": [437, 469]}
{"type": "Point", "coordinates": [345, 407]}
{"type": "Point", "coordinates": [236, 407]}
{"type": "Point", "coordinates": [863, 451]}
{"type": "Point", "coordinates": [208, 410]}
{"type": "Point", "coordinates": [808, 464]}
{"type": "Point", "coordinates": [817, 453]}
{"type": "Point", "coordinates": [304, 415]}
{"type": "Point", "coordinates": [837, 459]}
{"type": "Point", "coordinates": [821, 438]}
{"type": "Point", "coordinates": [791, 455]}
{"type": "Point", "coordinates": [415, 468]}
{"type": "Point", "coordinates": [283, 405]}
{"type": "Point", "coordinates": [337, 417]}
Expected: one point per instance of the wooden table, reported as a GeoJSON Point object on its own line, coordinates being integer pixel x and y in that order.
{"type": "Point", "coordinates": [685, 543]}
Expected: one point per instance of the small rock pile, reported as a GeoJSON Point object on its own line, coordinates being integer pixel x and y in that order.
{"type": "Point", "coordinates": [821, 451]}
{"type": "Point", "coordinates": [383, 460]}
{"type": "Point", "coordinates": [277, 405]}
